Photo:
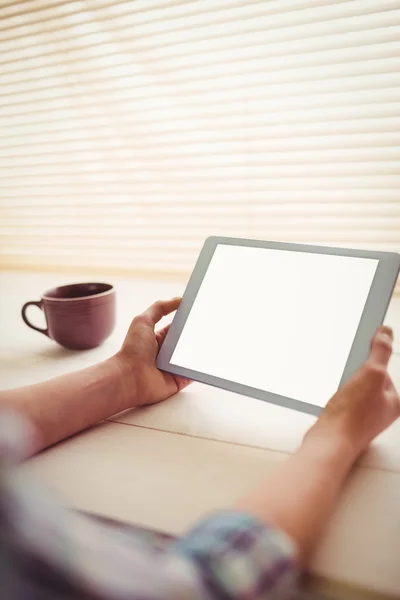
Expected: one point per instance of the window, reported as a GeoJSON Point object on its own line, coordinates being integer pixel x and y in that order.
{"type": "Point", "coordinates": [132, 130]}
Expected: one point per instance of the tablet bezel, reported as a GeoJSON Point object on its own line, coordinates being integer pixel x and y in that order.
{"type": "Point", "coordinates": [372, 317]}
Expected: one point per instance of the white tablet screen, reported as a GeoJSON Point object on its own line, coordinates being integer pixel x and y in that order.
{"type": "Point", "coordinates": [276, 320]}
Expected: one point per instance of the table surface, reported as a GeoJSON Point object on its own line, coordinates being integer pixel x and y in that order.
{"type": "Point", "coordinates": [212, 444]}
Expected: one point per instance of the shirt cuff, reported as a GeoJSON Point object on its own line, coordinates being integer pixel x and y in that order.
{"type": "Point", "coordinates": [239, 557]}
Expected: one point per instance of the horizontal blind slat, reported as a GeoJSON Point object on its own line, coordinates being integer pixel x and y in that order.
{"type": "Point", "coordinates": [107, 199]}
{"type": "Point", "coordinates": [86, 58]}
{"type": "Point", "coordinates": [239, 204]}
{"type": "Point", "coordinates": [379, 32]}
{"type": "Point", "coordinates": [162, 253]}
{"type": "Point", "coordinates": [350, 134]}
{"type": "Point", "coordinates": [182, 186]}
{"type": "Point", "coordinates": [122, 66]}
{"type": "Point", "coordinates": [192, 120]}
{"type": "Point", "coordinates": [156, 108]}
{"type": "Point", "coordinates": [152, 177]}
{"type": "Point", "coordinates": [118, 8]}
{"type": "Point", "coordinates": [142, 227]}
{"type": "Point", "coordinates": [144, 85]}
{"type": "Point", "coordinates": [181, 30]}
{"type": "Point", "coordinates": [155, 246]}
{"type": "Point", "coordinates": [128, 159]}
{"type": "Point", "coordinates": [216, 172]}
{"type": "Point", "coordinates": [61, 51]}
{"type": "Point", "coordinates": [253, 89]}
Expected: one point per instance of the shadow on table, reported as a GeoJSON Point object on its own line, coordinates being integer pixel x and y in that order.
{"type": "Point", "coordinates": [58, 352]}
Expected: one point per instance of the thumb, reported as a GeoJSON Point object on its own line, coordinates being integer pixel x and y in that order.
{"type": "Point", "coordinates": [161, 335]}
{"type": "Point", "coordinates": [382, 346]}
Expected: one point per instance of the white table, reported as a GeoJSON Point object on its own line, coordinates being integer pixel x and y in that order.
{"type": "Point", "coordinates": [214, 444]}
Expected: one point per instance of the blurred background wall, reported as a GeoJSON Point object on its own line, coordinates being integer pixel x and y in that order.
{"type": "Point", "coordinates": [131, 130]}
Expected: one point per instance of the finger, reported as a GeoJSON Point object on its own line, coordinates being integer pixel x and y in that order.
{"type": "Point", "coordinates": [182, 382]}
{"type": "Point", "coordinates": [382, 347]}
{"type": "Point", "coordinates": [389, 385]}
{"type": "Point", "coordinates": [160, 309]}
{"type": "Point", "coordinates": [383, 330]}
{"type": "Point", "coordinates": [161, 335]}
{"type": "Point", "coordinates": [387, 331]}
{"type": "Point", "coordinates": [393, 399]}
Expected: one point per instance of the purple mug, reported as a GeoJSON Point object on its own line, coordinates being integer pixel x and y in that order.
{"type": "Point", "coordinates": [78, 316]}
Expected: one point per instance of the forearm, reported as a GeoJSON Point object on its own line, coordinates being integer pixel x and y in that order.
{"type": "Point", "coordinates": [300, 496]}
{"type": "Point", "coordinates": [65, 405]}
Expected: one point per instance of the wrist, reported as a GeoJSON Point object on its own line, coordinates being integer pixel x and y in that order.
{"type": "Point", "coordinates": [124, 381]}
{"type": "Point", "coordinates": [330, 445]}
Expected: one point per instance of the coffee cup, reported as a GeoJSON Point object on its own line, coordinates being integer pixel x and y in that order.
{"type": "Point", "coordinates": [78, 316]}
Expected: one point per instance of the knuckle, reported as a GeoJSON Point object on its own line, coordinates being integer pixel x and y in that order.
{"type": "Point", "coordinates": [384, 341]}
{"type": "Point", "coordinates": [138, 319]}
{"type": "Point", "coordinates": [145, 319]}
{"type": "Point", "coordinates": [375, 369]}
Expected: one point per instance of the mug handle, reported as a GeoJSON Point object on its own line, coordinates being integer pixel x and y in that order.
{"type": "Point", "coordinates": [25, 318]}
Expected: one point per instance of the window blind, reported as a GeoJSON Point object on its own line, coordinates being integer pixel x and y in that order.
{"type": "Point", "coordinates": [132, 130]}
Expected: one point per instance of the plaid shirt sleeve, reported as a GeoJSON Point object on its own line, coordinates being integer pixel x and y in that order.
{"type": "Point", "coordinates": [50, 552]}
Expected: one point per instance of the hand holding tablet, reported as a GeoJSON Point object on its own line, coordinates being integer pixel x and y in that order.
{"type": "Point", "coordinates": [284, 323]}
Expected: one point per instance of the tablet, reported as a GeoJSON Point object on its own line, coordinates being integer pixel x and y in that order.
{"type": "Point", "coordinates": [284, 323]}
